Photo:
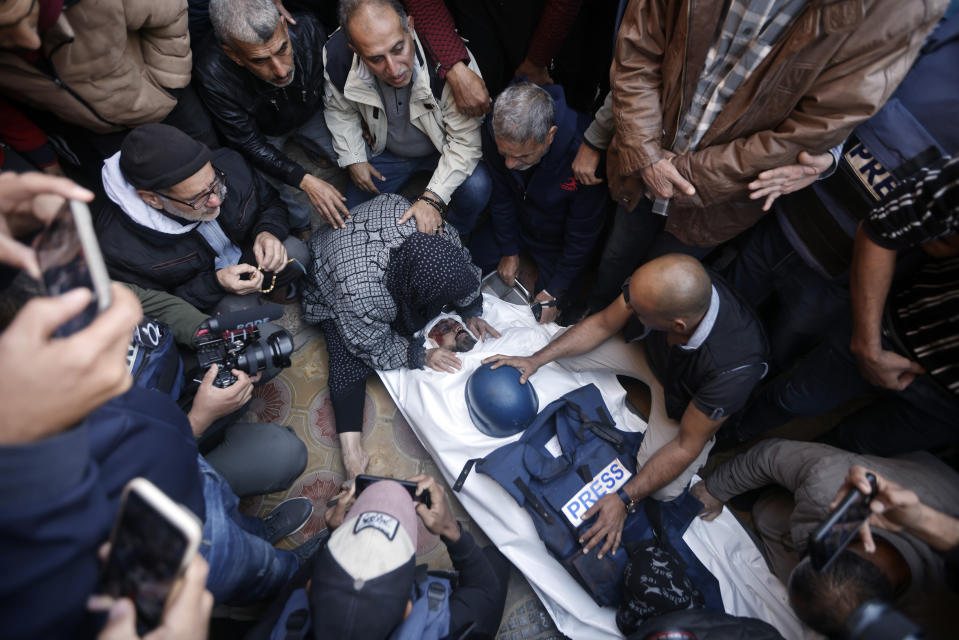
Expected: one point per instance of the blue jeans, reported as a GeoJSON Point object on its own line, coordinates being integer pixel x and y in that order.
{"type": "Point", "coordinates": [244, 567]}
{"type": "Point", "coordinates": [468, 200]}
{"type": "Point", "coordinates": [314, 136]}
{"type": "Point", "coordinates": [807, 303]}
{"type": "Point", "coordinates": [922, 416]}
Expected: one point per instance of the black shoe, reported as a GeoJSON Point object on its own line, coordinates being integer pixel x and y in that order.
{"type": "Point", "coordinates": [307, 550]}
{"type": "Point", "coordinates": [288, 518]}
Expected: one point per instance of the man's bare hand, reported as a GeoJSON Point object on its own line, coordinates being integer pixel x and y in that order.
{"type": "Point", "coordinates": [428, 219]}
{"type": "Point", "coordinates": [59, 381]}
{"type": "Point", "coordinates": [230, 278]}
{"type": "Point", "coordinates": [269, 252]}
{"type": "Point", "coordinates": [438, 518]}
{"type": "Point", "coordinates": [444, 360]}
{"type": "Point", "coordinates": [772, 183]}
{"type": "Point", "coordinates": [611, 514]}
{"type": "Point", "coordinates": [212, 403]}
{"type": "Point", "coordinates": [469, 91]}
{"type": "Point", "coordinates": [336, 514]}
{"type": "Point", "coordinates": [27, 201]}
{"type": "Point", "coordinates": [187, 617]}
{"type": "Point", "coordinates": [887, 369]}
{"type": "Point", "coordinates": [327, 200]}
{"type": "Point", "coordinates": [481, 328]}
{"type": "Point", "coordinates": [533, 73]}
{"type": "Point", "coordinates": [547, 314]}
{"type": "Point", "coordinates": [284, 12]}
{"type": "Point", "coordinates": [507, 269]}
{"type": "Point", "coordinates": [585, 164]}
{"type": "Point", "coordinates": [362, 174]}
{"type": "Point", "coordinates": [711, 506]}
{"type": "Point", "coordinates": [662, 179]}
{"type": "Point", "coordinates": [526, 366]}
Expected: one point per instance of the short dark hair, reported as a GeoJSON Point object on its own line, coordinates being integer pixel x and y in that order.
{"type": "Point", "coordinates": [347, 8]}
{"type": "Point", "coordinates": [824, 600]}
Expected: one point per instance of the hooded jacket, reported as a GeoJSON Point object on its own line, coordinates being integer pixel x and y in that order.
{"type": "Point", "coordinates": [184, 263]}
{"type": "Point", "coordinates": [834, 67]}
{"type": "Point", "coordinates": [106, 63]}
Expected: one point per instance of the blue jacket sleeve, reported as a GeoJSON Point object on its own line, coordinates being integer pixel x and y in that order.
{"type": "Point", "coordinates": [583, 226]}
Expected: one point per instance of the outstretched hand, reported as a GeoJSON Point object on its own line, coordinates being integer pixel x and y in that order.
{"type": "Point", "coordinates": [481, 328]}
{"type": "Point", "coordinates": [526, 366]}
{"type": "Point", "coordinates": [611, 515]}
{"type": "Point", "coordinates": [772, 183]}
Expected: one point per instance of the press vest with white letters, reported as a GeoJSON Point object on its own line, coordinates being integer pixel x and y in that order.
{"type": "Point", "coordinates": [569, 457]}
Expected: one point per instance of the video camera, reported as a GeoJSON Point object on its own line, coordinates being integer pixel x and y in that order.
{"type": "Point", "coordinates": [232, 341]}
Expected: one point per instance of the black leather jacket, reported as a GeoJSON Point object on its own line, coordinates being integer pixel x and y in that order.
{"type": "Point", "coordinates": [184, 265]}
{"type": "Point", "coordinates": [246, 109]}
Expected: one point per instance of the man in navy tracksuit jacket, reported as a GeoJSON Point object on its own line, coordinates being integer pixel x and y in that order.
{"type": "Point", "coordinates": [537, 206]}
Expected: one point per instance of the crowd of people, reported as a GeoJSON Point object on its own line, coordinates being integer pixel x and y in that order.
{"type": "Point", "coordinates": [757, 200]}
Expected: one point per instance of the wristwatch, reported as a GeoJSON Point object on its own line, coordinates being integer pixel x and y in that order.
{"type": "Point", "coordinates": [629, 502]}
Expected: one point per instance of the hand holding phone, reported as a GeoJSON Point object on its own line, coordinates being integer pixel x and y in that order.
{"type": "Point", "coordinates": [363, 481]}
{"type": "Point", "coordinates": [69, 257]}
{"type": "Point", "coordinates": [835, 533]}
{"type": "Point", "coordinates": [153, 542]}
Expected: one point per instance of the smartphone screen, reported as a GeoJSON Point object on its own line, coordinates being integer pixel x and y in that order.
{"type": "Point", "coordinates": [363, 481]}
{"type": "Point", "coordinates": [840, 527]}
{"type": "Point", "coordinates": [147, 554]}
{"type": "Point", "coordinates": [69, 257]}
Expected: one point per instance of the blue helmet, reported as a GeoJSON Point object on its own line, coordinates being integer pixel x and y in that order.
{"type": "Point", "coordinates": [498, 404]}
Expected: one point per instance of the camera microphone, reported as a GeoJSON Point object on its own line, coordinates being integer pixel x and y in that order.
{"type": "Point", "coordinates": [237, 319]}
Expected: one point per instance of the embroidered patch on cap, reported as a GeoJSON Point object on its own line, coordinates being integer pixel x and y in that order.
{"type": "Point", "coordinates": [382, 522]}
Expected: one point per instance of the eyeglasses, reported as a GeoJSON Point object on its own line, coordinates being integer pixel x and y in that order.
{"type": "Point", "coordinates": [218, 188]}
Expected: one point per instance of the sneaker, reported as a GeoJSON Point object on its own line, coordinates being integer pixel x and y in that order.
{"type": "Point", "coordinates": [309, 548]}
{"type": "Point", "coordinates": [288, 518]}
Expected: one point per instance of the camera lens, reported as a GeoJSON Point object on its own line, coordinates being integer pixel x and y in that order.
{"type": "Point", "coordinates": [275, 348]}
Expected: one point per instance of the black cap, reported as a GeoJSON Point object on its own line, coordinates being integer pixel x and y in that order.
{"type": "Point", "coordinates": [158, 156]}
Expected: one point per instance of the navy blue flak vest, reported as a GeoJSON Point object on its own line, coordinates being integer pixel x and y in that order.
{"type": "Point", "coordinates": [567, 459]}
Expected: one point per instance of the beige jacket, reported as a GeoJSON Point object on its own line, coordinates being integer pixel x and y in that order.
{"type": "Point", "coordinates": [835, 66]}
{"type": "Point", "coordinates": [111, 60]}
{"type": "Point", "coordinates": [455, 136]}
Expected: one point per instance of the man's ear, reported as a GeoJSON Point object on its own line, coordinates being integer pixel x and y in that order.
{"type": "Point", "coordinates": [551, 135]}
{"type": "Point", "coordinates": [231, 54]}
{"type": "Point", "coordinates": [679, 326]}
{"type": "Point", "coordinates": [409, 23]}
{"type": "Point", "coordinates": [150, 198]}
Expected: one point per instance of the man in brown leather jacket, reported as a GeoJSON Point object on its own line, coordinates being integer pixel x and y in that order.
{"type": "Point", "coordinates": [696, 120]}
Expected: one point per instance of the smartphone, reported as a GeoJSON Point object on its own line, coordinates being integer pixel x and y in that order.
{"type": "Point", "coordinates": [153, 542]}
{"type": "Point", "coordinates": [840, 526]}
{"type": "Point", "coordinates": [69, 257]}
{"type": "Point", "coordinates": [363, 481]}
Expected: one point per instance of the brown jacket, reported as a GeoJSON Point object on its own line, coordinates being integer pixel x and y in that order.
{"type": "Point", "coordinates": [833, 68]}
{"type": "Point", "coordinates": [111, 60]}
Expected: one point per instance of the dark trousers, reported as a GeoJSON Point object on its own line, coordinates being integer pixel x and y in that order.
{"type": "Point", "coordinates": [347, 380]}
{"type": "Point", "coordinates": [798, 304]}
{"type": "Point", "coordinates": [637, 237]}
{"type": "Point", "coordinates": [922, 416]}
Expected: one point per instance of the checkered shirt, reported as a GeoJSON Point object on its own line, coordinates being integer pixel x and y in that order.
{"type": "Point", "coordinates": [750, 31]}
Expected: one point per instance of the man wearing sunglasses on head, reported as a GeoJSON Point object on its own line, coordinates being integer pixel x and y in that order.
{"type": "Point", "coordinates": [201, 225]}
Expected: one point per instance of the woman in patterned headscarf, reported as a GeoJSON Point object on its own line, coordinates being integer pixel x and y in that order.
{"type": "Point", "coordinates": [373, 286]}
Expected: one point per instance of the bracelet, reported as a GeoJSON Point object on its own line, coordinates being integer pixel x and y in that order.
{"type": "Point", "coordinates": [433, 203]}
